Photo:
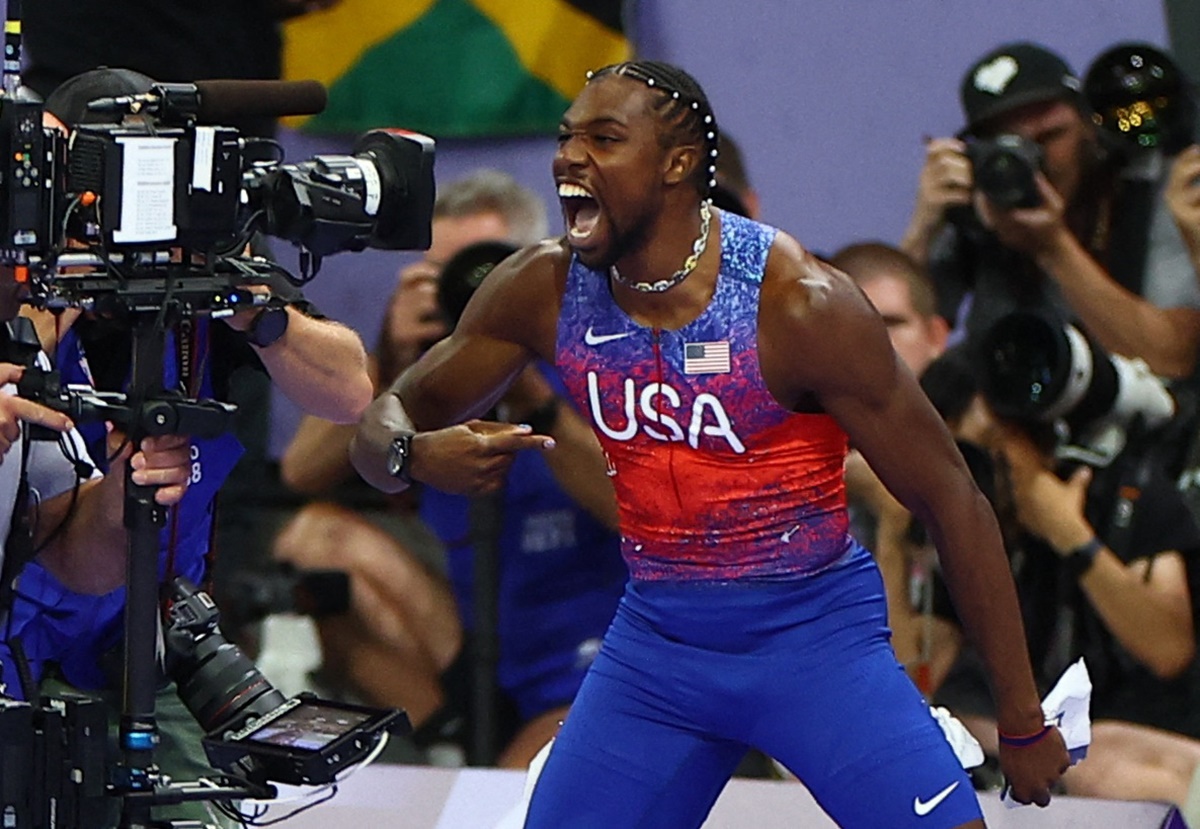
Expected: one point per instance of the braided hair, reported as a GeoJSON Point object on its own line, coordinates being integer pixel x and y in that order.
{"type": "Point", "coordinates": [682, 106]}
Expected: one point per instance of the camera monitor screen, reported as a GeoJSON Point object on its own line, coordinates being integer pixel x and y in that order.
{"type": "Point", "coordinates": [309, 726]}
{"type": "Point", "coordinates": [305, 741]}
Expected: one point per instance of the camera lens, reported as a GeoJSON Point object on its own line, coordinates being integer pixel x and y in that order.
{"type": "Point", "coordinates": [216, 681]}
{"type": "Point", "coordinates": [222, 688]}
{"type": "Point", "coordinates": [1035, 368]}
{"type": "Point", "coordinates": [1005, 170]}
{"type": "Point", "coordinates": [1027, 364]}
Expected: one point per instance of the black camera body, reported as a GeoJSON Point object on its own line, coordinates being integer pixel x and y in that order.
{"type": "Point", "coordinates": [52, 763]}
{"type": "Point", "coordinates": [1005, 168]}
{"type": "Point", "coordinates": [31, 170]}
{"type": "Point", "coordinates": [153, 187]}
{"type": "Point", "coordinates": [251, 596]}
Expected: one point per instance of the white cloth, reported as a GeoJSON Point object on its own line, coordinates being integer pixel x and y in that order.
{"type": "Point", "coordinates": [1068, 706]}
{"type": "Point", "coordinates": [966, 747]}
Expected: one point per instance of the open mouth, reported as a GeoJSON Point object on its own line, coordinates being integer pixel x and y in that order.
{"type": "Point", "coordinates": [581, 211]}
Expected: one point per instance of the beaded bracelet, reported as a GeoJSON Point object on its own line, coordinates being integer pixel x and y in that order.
{"type": "Point", "coordinates": [1023, 740]}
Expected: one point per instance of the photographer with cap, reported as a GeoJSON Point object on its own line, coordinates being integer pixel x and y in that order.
{"type": "Point", "coordinates": [319, 364]}
{"type": "Point", "coordinates": [1088, 234]}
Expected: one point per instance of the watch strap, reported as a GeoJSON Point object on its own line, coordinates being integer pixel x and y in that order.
{"type": "Point", "coordinates": [268, 326]}
{"type": "Point", "coordinates": [1081, 559]}
{"type": "Point", "coordinates": [400, 457]}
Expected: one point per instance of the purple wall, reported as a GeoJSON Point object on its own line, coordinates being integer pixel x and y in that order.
{"type": "Point", "coordinates": [829, 101]}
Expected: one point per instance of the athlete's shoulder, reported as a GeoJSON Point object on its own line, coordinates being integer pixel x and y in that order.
{"type": "Point", "coordinates": [518, 300]}
{"type": "Point", "coordinates": [803, 284]}
{"type": "Point", "coordinates": [810, 308]}
{"type": "Point", "coordinates": [548, 257]}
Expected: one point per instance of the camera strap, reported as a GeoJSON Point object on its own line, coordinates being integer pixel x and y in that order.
{"type": "Point", "coordinates": [1124, 251]}
{"type": "Point", "coordinates": [1131, 481]}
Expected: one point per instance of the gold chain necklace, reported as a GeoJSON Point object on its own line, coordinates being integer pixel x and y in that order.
{"type": "Point", "coordinates": [689, 264]}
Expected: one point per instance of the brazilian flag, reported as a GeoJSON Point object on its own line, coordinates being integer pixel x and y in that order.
{"type": "Point", "coordinates": [452, 68]}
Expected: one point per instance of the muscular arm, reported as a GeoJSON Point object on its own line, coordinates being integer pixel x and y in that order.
{"type": "Point", "coordinates": [1151, 617]}
{"type": "Point", "coordinates": [1147, 608]}
{"type": "Point", "coordinates": [510, 319]}
{"type": "Point", "coordinates": [811, 310]}
{"type": "Point", "coordinates": [318, 364]}
{"type": "Point", "coordinates": [318, 456]}
{"type": "Point", "coordinates": [1124, 323]}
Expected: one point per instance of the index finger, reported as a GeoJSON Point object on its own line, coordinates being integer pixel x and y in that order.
{"type": "Point", "coordinates": [937, 146]}
{"type": "Point", "coordinates": [40, 415]}
{"type": "Point", "coordinates": [506, 438]}
{"type": "Point", "coordinates": [10, 373]}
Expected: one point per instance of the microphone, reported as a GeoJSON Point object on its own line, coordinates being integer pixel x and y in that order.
{"type": "Point", "coordinates": [215, 102]}
{"type": "Point", "coordinates": [228, 100]}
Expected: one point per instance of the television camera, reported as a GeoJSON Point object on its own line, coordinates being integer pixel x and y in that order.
{"type": "Point", "coordinates": [108, 216]}
{"type": "Point", "coordinates": [143, 211]}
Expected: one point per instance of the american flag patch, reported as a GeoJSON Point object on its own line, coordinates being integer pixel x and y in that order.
{"type": "Point", "coordinates": [706, 358]}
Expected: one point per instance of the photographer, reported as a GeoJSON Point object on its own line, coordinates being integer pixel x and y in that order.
{"type": "Point", "coordinates": [1106, 563]}
{"type": "Point", "coordinates": [1086, 232]}
{"type": "Point", "coordinates": [318, 364]}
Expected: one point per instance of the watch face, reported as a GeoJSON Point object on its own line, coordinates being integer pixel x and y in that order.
{"type": "Point", "coordinates": [397, 457]}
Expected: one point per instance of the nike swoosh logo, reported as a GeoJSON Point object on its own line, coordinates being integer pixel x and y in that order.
{"type": "Point", "coordinates": [924, 807]}
{"type": "Point", "coordinates": [590, 337]}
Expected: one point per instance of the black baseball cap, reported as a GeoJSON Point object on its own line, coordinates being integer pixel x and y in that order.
{"type": "Point", "coordinates": [1015, 75]}
{"type": "Point", "coordinates": [69, 101]}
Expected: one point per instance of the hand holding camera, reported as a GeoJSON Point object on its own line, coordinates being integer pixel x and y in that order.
{"type": "Point", "coordinates": [946, 182]}
{"type": "Point", "coordinates": [1047, 506]}
{"type": "Point", "coordinates": [998, 181]}
{"type": "Point", "coordinates": [1032, 230]}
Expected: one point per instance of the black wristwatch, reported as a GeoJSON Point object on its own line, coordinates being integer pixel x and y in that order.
{"type": "Point", "coordinates": [399, 457]}
{"type": "Point", "coordinates": [1081, 559]}
{"type": "Point", "coordinates": [268, 326]}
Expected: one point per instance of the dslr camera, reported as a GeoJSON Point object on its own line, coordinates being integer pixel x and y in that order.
{"type": "Point", "coordinates": [1005, 168]}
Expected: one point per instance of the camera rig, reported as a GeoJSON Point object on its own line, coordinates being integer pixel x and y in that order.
{"type": "Point", "coordinates": [145, 217]}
